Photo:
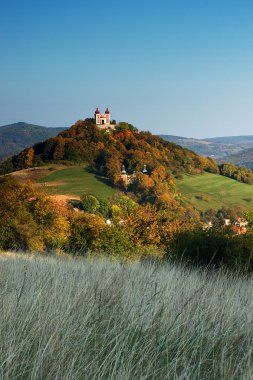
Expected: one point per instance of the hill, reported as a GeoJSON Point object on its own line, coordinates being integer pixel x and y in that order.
{"type": "Point", "coordinates": [215, 191]}
{"type": "Point", "coordinates": [204, 147]}
{"type": "Point", "coordinates": [218, 147]}
{"type": "Point", "coordinates": [109, 156]}
{"type": "Point", "coordinates": [107, 152]}
{"type": "Point", "coordinates": [243, 158]}
{"type": "Point", "coordinates": [243, 142]}
{"type": "Point", "coordinates": [16, 137]}
{"type": "Point", "coordinates": [103, 154]}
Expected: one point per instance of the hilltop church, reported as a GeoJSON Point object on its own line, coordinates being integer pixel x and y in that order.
{"type": "Point", "coordinates": [103, 120]}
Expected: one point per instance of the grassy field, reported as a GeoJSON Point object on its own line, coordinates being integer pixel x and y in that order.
{"type": "Point", "coordinates": [71, 319]}
{"type": "Point", "coordinates": [76, 180]}
{"type": "Point", "coordinates": [214, 191]}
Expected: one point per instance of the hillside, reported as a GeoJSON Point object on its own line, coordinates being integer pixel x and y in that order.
{"type": "Point", "coordinates": [103, 155]}
{"type": "Point", "coordinates": [77, 180]}
{"type": "Point", "coordinates": [204, 147]}
{"type": "Point", "coordinates": [215, 191]}
{"type": "Point", "coordinates": [16, 137]}
{"type": "Point", "coordinates": [202, 191]}
{"type": "Point", "coordinates": [71, 182]}
{"type": "Point", "coordinates": [236, 149]}
{"type": "Point", "coordinates": [218, 147]}
{"type": "Point", "coordinates": [106, 155]}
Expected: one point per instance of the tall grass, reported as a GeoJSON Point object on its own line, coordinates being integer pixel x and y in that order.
{"type": "Point", "coordinates": [67, 319]}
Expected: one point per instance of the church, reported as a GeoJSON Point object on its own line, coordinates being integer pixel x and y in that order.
{"type": "Point", "coordinates": [103, 120]}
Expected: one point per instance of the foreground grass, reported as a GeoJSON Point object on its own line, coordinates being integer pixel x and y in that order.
{"type": "Point", "coordinates": [214, 191]}
{"type": "Point", "coordinates": [64, 319]}
{"type": "Point", "coordinates": [78, 180]}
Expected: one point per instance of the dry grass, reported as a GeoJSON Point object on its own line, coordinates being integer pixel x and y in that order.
{"type": "Point", "coordinates": [36, 173]}
{"type": "Point", "coordinates": [70, 319]}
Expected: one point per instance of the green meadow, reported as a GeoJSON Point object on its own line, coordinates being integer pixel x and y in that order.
{"type": "Point", "coordinates": [214, 191]}
{"type": "Point", "coordinates": [202, 191]}
{"type": "Point", "coordinates": [77, 180]}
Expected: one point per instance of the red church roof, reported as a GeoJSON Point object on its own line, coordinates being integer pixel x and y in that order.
{"type": "Point", "coordinates": [107, 111]}
{"type": "Point", "coordinates": [97, 111]}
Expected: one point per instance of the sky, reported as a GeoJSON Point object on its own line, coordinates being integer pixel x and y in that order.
{"type": "Point", "coordinates": [179, 67]}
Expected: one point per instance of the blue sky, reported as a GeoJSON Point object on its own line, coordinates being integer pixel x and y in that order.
{"type": "Point", "coordinates": [181, 67]}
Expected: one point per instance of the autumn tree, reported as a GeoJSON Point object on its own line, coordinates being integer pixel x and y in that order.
{"type": "Point", "coordinates": [85, 233]}
{"type": "Point", "coordinates": [59, 149]}
{"type": "Point", "coordinates": [29, 220]}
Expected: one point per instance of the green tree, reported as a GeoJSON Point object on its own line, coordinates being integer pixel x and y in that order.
{"type": "Point", "coordinates": [126, 204]}
{"type": "Point", "coordinates": [85, 233]}
{"type": "Point", "coordinates": [90, 203]}
{"type": "Point", "coordinates": [248, 215]}
{"type": "Point", "coordinates": [115, 241]}
{"type": "Point", "coordinates": [104, 207]}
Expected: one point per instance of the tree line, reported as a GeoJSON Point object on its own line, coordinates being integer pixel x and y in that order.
{"type": "Point", "coordinates": [31, 221]}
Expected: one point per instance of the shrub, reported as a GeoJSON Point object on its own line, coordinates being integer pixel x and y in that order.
{"type": "Point", "coordinates": [90, 203]}
{"type": "Point", "coordinates": [213, 247]}
{"type": "Point", "coordinates": [198, 246]}
{"type": "Point", "coordinates": [201, 197]}
{"type": "Point", "coordinates": [85, 233]}
{"type": "Point", "coordinates": [114, 241]}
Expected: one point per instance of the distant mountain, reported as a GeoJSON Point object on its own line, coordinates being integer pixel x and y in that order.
{"type": "Point", "coordinates": [217, 147]}
{"type": "Point", "coordinates": [243, 142]}
{"type": "Point", "coordinates": [205, 147]}
{"type": "Point", "coordinates": [15, 137]}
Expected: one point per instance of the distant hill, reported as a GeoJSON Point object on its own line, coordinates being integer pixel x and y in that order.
{"type": "Point", "coordinates": [217, 147]}
{"type": "Point", "coordinates": [243, 158]}
{"type": "Point", "coordinates": [15, 137]}
{"type": "Point", "coordinates": [243, 142]}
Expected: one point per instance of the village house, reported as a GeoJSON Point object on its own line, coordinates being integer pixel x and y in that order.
{"type": "Point", "coordinates": [240, 226]}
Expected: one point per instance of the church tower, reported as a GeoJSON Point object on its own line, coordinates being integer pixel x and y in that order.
{"type": "Point", "coordinates": [97, 116]}
{"type": "Point", "coordinates": [107, 115]}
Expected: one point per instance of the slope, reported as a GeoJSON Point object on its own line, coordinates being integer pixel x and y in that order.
{"type": "Point", "coordinates": [214, 191]}
{"type": "Point", "coordinates": [77, 180]}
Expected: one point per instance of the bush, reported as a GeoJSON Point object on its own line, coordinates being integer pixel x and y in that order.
{"type": "Point", "coordinates": [85, 233]}
{"type": "Point", "coordinates": [90, 203]}
{"type": "Point", "coordinates": [201, 197]}
{"type": "Point", "coordinates": [213, 247]}
{"type": "Point", "coordinates": [115, 242]}
{"type": "Point", "coordinates": [28, 219]}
